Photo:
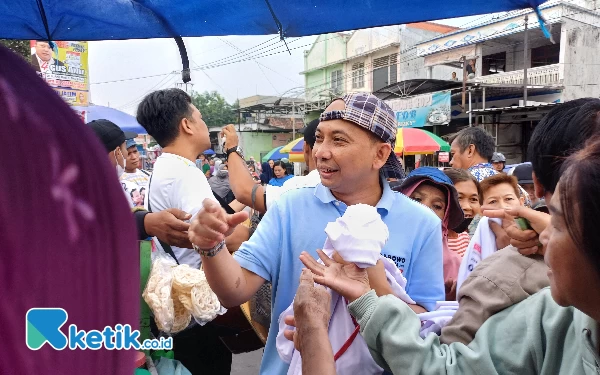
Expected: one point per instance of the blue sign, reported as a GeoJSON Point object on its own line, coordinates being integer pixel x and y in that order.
{"type": "Point", "coordinates": [422, 110]}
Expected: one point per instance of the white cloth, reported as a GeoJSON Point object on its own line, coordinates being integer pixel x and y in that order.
{"type": "Point", "coordinates": [364, 222]}
{"type": "Point", "coordinates": [482, 245]}
{"type": "Point", "coordinates": [274, 192]}
{"type": "Point", "coordinates": [434, 321]}
{"type": "Point", "coordinates": [177, 183]}
{"type": "Point", "coordinates": [358, 236]}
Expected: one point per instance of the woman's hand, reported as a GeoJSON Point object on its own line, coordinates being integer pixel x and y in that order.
{"type": "Point", "coordinates": [348, 280]}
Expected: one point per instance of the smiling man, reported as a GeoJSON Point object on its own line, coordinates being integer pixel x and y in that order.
{"type": "Point", "coordinates": [354, 156]}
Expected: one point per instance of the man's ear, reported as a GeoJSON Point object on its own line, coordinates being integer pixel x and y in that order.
{"type": "Point", "coordinates": [522, 200]}
{"type": "Point", "coordinates": [384, 151]}
{"type": "Point", "coordinates": [185, 126]}
{"type": "Point", "coordinates": [471, 150]}
{"type": "Point", "coordinates": [537, 187]}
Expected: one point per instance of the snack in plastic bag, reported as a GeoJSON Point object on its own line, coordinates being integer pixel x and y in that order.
{"type": "Point", "coordinates": [182, 316]}
{"type": "Point", "coordinates": [205, 303]}
{"type": "Point", "coordinates": [158, 292]}
{"type": "Point", "coordinates": [185, 277]}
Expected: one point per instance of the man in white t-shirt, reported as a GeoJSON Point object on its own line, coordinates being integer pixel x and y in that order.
{"type": "Point", "coordinates": [135, 179]}
{"type": "Point", "coordinates": [242, 183]}
{"type": "Point", "coordinates": [177, 126]}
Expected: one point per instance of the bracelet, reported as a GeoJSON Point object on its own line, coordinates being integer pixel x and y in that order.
{"type": "Point", "coordinates": [210, 252]}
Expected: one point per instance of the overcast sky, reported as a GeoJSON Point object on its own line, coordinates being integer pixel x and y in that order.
{"type": "Point", "coordinates": [265, 75]}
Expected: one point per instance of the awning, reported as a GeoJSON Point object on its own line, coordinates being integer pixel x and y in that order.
{"type": "Point", "coordinates": [118, 19]}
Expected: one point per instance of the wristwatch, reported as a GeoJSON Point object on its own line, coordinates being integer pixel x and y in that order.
{"type": "Point", "coordinates": [237, 150]}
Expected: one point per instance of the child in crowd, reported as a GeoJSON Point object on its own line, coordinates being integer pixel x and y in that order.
{"type": "Point", "coordinates": [431, 187]}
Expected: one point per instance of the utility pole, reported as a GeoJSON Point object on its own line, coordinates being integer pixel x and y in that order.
{"type": "Point", "coordinates": [525, 60]}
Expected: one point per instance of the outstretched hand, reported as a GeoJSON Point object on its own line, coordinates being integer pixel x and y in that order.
{"type": "Point", "coordinates": [527, 241]}
{"type": "Point", "coordinates": [346, 279]}
{"type": "Point", "coordinates": [212, 224]}
{"type": "Point", "coordinates": [312, 306]}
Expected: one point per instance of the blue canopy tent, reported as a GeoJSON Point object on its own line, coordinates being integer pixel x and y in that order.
{"type": "Point", "coordinates": [123, 120]}
{"type": "Point", "coordinates": [117, 19]}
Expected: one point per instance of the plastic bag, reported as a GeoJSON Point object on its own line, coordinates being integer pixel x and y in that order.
{"type": "Point", "coordinates": [158, 291]}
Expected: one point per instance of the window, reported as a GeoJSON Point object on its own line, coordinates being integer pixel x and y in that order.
{"type": "Point", "coordinates": [545, 55]}
{"type": "Point", "coordinates": [494, 64]}
{"type": "Point", "coordinates": [336, 81]}
{"type": "Point", "coordinates": [358, 75]}
{"type": "Point", "coordinates": [385, 71]}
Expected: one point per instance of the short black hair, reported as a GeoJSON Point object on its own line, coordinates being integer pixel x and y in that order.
{"type": "Point", "coordinates": [563, 131]}
{"type": "Point", "coordinates": [161, 112]}
{"type": "Point", "coordinates": [483, 141]}
{"type": "Point", "coordinates": [281, 164]}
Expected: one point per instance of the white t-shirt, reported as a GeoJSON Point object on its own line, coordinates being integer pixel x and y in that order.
{"type": "Point", "coordinates": [178, 183]}
{"type": "Point", "coordinates": [274, 192]}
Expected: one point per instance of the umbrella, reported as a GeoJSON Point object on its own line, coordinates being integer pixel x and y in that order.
{"type": "Point", "coordinates": [118, 19]}
{"type": "Point", "coordinates": [125, 121]}
{"type": "Point", "coordinates": [413, 141]}
{"type": "Point", "coordinates": [296, 145]}
{"type": "Point", "coordinates": [209, 152]}
{"type": "Point", "coordinates": [274, 154]}
{"type": "Point", "coordinates": [296, 157]}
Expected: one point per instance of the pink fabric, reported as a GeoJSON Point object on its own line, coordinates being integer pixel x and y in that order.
{"type": "Point", "coordinates": [67, 237]}
{"type": "Point", "coordinates": [451, 259]}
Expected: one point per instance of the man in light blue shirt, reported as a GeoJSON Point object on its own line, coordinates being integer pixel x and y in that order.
{"type": "Point", "coordinates": [354, 155]}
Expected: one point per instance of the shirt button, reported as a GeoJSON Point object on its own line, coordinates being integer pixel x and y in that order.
{"type": "Point", "coordinates": [337, 203]}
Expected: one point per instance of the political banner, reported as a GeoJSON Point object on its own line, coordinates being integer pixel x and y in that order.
{"type": "Point", "coordinates": [422, 110]}
{"type": "Point", "coordinates": [64, 66]}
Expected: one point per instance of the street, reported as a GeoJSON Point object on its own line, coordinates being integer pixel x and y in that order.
{"type": "Point", "coordinates": [246, 363]}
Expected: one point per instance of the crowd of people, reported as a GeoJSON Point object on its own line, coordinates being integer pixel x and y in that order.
{"type": "Point", "coordinates": [506, 258]}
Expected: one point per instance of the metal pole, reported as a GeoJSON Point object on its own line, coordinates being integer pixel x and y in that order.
{"type": "Point", "coordinates": [293, 122]}
{"type": "Point", "coordinates": [464, 85]}
{"type": "Point", "coordinates": [525, 60]}
{"type": "Point", "coordinates": [470, 114]}
{"type": "Point", "coordinates": [483, 97]}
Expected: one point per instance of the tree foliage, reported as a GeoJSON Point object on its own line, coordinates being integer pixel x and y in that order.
{"type": "Point", "coordinates": [20, 47]}
{"type": "Point", "coordinates": [215, 109]}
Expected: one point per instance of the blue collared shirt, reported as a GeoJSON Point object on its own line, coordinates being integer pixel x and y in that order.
{"type": "Point", "coordinates": [296, 223]}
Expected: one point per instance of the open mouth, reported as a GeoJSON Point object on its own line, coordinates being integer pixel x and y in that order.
{"type": "Point", "coordinates": [327, 172]}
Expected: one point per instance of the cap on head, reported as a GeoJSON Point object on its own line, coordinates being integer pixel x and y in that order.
{"type": "Point", "coordinates": [498, 157]}
{"type": "Point", "coordinates": [372, 114]}
{"type": "Point", "coordinates": [524, 173]}
{"type": "Point", "coordinates": [130, 143]}
{"type": "Point", "coordinates": [110, 134]}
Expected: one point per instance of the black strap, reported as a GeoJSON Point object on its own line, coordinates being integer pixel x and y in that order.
{"type": "Point", "coordinates": [146, 173]}
{"type": "Point", "coordinates": [166, 247]}
{"type": "Point", "coordinates": [223, 203]}
{"type": "Point", "coordinates": [254, 195]}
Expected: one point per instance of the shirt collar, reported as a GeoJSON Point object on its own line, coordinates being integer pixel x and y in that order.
{"type": "Point", "coordinates": [174, 156]}
{"type": "Point", "coordinates": [383, 206]}
{"type": "Point", "coordinates": [481, 165]}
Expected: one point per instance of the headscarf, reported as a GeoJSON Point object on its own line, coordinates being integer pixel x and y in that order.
{"type": "Point", "coordinates": [267, 173]}
{"type": "Point", "coordinates": [219, 183]}
{"type": "Point", "coordinates": [451, 259]}
{"type": "Point", "coordinates": [68, 237]}
{"type": "Point", "coordinates": [218, 163]}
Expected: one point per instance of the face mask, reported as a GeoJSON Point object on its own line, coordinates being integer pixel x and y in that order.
{"type": "Point", "coordinates": [464, 225]}
{"type": "Point", "coordinates": [119, 168]}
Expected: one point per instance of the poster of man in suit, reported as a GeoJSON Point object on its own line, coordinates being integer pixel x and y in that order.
{"type": "Point", "coordinates": [64, 66]}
